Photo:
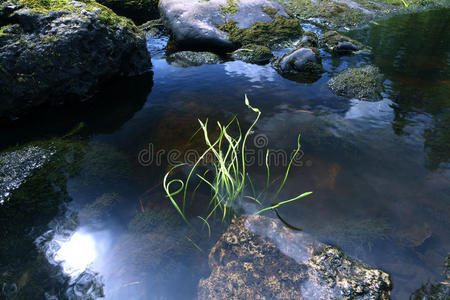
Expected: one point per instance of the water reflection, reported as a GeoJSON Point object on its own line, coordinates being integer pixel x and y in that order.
{"type": "Point", "coordinates": [77, 253]}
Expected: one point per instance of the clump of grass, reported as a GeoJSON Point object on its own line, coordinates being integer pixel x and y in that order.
{"type": "Point", "coordinates": [227, 177]}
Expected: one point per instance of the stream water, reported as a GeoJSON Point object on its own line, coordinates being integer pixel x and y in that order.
{"type": "Point", "coordinates": [379, 171]}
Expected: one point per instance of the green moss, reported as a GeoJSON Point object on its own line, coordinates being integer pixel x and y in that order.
{"type": "Point", "coordinates": [231, 7]}
{"type": "Point", "coordinates": [106, 16]}
{"type": "Point", "coordinates": [362, 83]}
{"type": "Point", "coordinates": [263, 33]}
{"type": "Point", "coordinates": [333, 14]}
{"type": "Point", "coordinates": [253, 54]}
{"type": "Point", "coordinates": [270, 11]}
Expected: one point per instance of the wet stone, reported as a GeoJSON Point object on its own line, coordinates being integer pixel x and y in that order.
{"type": "Point", "coordinates": [17, 165]}
{"type": "Point", "coordinates": [190, 58]}
{"type": "Point", "coordinates": [259, 258]}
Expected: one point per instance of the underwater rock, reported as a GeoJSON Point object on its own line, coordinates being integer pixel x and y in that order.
{"type": "Point", "coordinates": [61, 52]}
{"type": "Point", "coordinates": [16, 166]}
{"type": "Point", "coordinates": [435, 290]}
{"type": "Point", "coordinates": [186, 59]}
{"type": "Point", "coordinates": [260, 258]}
{"type": "Point", "coordinates": [414, 235]}
{"type": "Point", "coordinates": [139, 11]}
{"type": "Point", "coordinates": [100, 209]}
{"type": "Point", "coordinates": [339, 44]}
{"type": "Point", "coordinates": [254, 54]}
{"type": "Point", "coordinates": [364, 83]}
{"type": "Point", "coordinates": [228, 24]}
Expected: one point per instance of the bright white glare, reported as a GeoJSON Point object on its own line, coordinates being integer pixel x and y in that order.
{"type": "Point", "coordinates": [77, 253]}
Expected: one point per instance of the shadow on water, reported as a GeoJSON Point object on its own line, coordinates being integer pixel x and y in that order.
{"type": "Point", "coordinates": [115, 104]}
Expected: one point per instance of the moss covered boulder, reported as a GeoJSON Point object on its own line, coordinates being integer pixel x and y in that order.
{"type": "Point", "coordinates": [260, 258]}
{"type": "Point", "coordinates": [339, 44]}
{"type": "Point", "coordinates": [309, 39]}
{"type": "Point", "coordinates": [140, 11]}
{"type": "Point", "coordinates": [364, 83]}
{"type": "Point", "coordinates": [228, 24]}
{"type": "Point", "coordinates": [254, 54]}
{"type": "Point", "coordinates": [303, 64]}
{"type": "Point", "coordinates": [54, 51]}
{"type": "Point", "coordinates": [342, 14]}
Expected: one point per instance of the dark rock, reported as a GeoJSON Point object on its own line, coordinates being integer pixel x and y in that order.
{"type": "Point", "coordinates": [301, 64]}
{"type": "Point", "coordinates": [339, 44]}
{"type": "Point", "coordinates": [140, 11]}
{"type": "Point", "coordinates": [254, 54]}
{"type": "Point", "coordinates": [309, 39]}
{"type": "Point", "coordinates": [228, 24]}
{"type": "Point", "coordinates": [435, 290]}
{"type": "Point", "coordinates": [362, 83]}
{"type": "Point", "coordinates": [190, 58]}
{"type": "Point", "coordinates": [259, 258]}
{"type": "Point", "coordinates": [54, 54]}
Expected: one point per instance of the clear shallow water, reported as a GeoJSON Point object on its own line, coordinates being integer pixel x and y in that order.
{"type": "Point", "coordinates": [379, 170]}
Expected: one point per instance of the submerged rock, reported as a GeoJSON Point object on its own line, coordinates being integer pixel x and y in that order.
{"type": "Point", "coordinates": [435, 290]}
{"type": "Point", "coordinates": [63, 51]}
{"type": "Point", "coordinates": [99, 210]}
{"type": "Point", "coordinates": [228, 24]}
{"type": "Point", "coordinates": [362, 83]}
{"type": "Point", "coordinates": [259, 258]}
{"type": "Point", "coordinates": [339, 44]}
{"type": "Point", "coordinates": [190, 58]}
{"type": "Point", "coordinates": [139, 11]}
{"type": "Point", "coordinates": [254, 54]}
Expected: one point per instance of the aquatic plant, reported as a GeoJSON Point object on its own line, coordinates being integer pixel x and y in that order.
{"type": "Point", "coordinates": [227, 176]}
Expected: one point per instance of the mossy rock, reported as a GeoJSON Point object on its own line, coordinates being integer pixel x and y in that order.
{"type": "Point", "coordinates": [228, 25]}
{"type": "Point", "coordinates": [302, 64]}
{"type": "Point", "coordinates": [364, 83]}
{"type": "Point", "coordinates": [255, 54]}
{"type": "Point", "coordinates": [309, 39]}
{"type": "Point", "coordinates": [269, 34]}
{"type": "Point", "coordinates": [339, 44]}
{"type": "Point", "coordinates": [333, 14]}
{"type": "Point", "coordinates": [57, 51]}
{"type": "Point", "coordinates": [140, 11]}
